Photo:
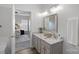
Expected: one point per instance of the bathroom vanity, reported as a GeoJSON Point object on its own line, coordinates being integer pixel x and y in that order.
{"type": "Point", "coordinates": [47, 45]}
{"type": "Point", "coordinates": [48, 42]}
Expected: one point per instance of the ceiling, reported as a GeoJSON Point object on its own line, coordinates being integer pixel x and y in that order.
{"type": "Point", "coordinates": [44, 7]}
{"type": "Point", "coordinates": [6, 5]}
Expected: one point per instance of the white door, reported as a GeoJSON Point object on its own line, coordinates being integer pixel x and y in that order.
{"type": "Point", "coordinates": [6, 25]}
{"type": "Point", "coordinates": [72, 31]}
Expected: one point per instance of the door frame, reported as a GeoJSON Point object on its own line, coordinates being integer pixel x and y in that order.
{"type": "Point", "coordinates": [13, 31]}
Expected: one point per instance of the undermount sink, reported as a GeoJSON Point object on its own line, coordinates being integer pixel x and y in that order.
{"type": "Point", "coordinates": [50, 35]}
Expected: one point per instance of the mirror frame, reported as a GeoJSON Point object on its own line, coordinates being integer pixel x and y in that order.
{"type": "Point", "coordinates": [56, 22]}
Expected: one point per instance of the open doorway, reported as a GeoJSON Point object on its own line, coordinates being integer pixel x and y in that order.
{"type": "Point", "coordinates": [22, 30]}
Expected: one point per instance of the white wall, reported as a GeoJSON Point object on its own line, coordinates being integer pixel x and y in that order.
{"type": "Point", "coordinates": [45, 7]}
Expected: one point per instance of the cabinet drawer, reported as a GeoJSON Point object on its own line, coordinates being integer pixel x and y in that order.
{"type": "Point", "coordinates": [42, 47]}
{"type": "Point", "coordinates": [57, 48]}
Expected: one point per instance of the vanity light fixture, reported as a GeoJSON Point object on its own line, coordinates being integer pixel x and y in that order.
{"type": "Point", "coordinates": [53, 10]}
{"type": "Point", "coordinates": [43, 14]}
{"type": "Point", "coordinates": [39, 14]}
{"type": "Point", "coordinates": [56, 9]}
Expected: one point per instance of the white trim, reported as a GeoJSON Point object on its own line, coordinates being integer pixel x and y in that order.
{"type": "Point", "coordinates": [13, 29]}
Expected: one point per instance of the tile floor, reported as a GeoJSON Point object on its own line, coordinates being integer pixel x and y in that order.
{"type": "Point", "coordinates": [22, 42]}
{"type": "Point", "coordinates": [27, 51]}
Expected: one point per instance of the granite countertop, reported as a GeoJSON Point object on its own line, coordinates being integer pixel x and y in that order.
{"type": "Point", "coordinates": [51, 40]}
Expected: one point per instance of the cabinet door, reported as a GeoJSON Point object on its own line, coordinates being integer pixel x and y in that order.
{"type": "Point", "coordinates": [34, 41]}
{"type": "Point", "coordinates": [42, 47]}
{"type": "Point", "coordinates": [38, 45]}
{"type": "Point", "coordinates": [45, 48]}
{"type": "Point", "coordinates": [57, 48]}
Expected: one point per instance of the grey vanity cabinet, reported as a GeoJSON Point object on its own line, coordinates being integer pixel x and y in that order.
{"type": "Point", "coordinates": [41, 46]}
{"type": "Point", "coordinates": [56, 48]}
{"type": "Point", "coordinates": [45, 48]}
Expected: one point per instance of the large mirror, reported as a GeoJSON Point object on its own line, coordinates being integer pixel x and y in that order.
{"type": "Point", "coordinates": [50, 23]}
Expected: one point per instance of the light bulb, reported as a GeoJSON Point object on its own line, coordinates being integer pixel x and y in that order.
{"type": "Point", "coordinates": [56, 9]}
{"type": "Point", "coordinates": [45, 13]}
